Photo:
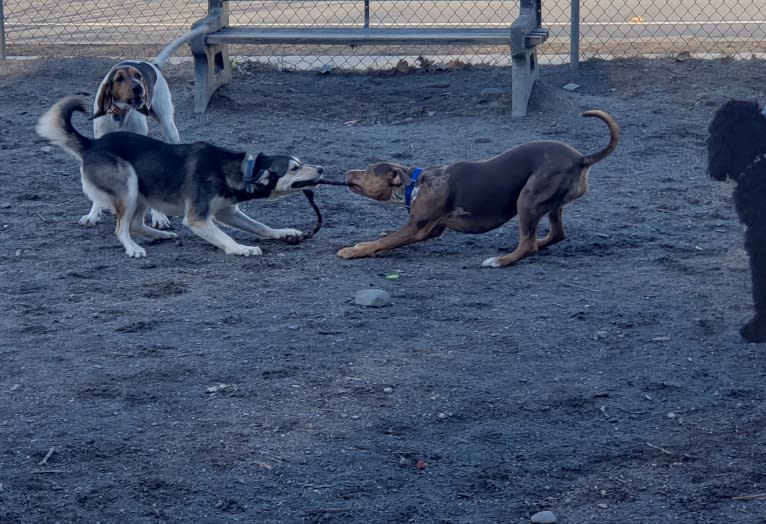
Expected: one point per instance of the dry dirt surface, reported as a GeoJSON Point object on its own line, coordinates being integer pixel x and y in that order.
{"type": "Point", "coordinates": [603, 379]}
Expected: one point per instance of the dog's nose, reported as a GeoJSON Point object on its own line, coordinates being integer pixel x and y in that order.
{"type": "Point", "coordinates": [138, 89]}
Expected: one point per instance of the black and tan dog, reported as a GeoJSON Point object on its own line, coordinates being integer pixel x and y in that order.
{"type": "Point", "coordinates": [532, 180]}
{"type": "Point", "coordinates": [127, 173]}
{"type": "Point", "coordinates": [737, 150]}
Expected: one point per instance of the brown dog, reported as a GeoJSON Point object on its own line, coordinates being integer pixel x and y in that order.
{"type": "Point", "coordinates": [532, 180]}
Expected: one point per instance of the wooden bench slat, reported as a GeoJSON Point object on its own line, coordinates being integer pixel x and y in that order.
{"type": "Point", "coordinates": [358, 36]}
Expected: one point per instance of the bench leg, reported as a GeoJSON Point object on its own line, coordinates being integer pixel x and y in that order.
{"type": "Point", "coordinates": [524, 72]}
{"type": "Point", "coordinates": [211, 70]}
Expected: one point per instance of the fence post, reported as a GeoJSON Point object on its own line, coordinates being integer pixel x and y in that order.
{"type": "Point", "coordinates": [2, 30]}
{"type": "Point", "coordinates": [574, 35]}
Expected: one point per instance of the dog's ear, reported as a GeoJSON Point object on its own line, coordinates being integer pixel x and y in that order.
{"type": "Point", "coordinates": [400, 177]}
{"type": "Point", "coordinates": [263, 177]}
{"type": "Point", "coordinates": [257, 173]}
{"type": "Point", "coordinates": [147, 107]}
{"type": "Point", "coordinates": [103, 98]}
{"type": "Point", "coordinates": [261, 173]}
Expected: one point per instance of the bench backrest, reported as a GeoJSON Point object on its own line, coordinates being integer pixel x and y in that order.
{"type": "Point", "coordinates": [369, 13]}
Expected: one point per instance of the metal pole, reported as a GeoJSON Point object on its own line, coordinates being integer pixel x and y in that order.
{"type": "Point", "coordinates": [2, 30]}
{"type": "Point", "coordinates": [574, 35]}
{"type": "Point", "coordinates": [366, 14]}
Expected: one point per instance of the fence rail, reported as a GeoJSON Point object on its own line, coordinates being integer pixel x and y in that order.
{"type": "Point", "coordinates": [606, 29]}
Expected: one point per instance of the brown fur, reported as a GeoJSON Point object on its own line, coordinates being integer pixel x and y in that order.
{"type": "Point", "coordinates": [532, 180]}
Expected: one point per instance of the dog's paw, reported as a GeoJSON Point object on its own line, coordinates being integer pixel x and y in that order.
{"type": "Point", "coordinates": [135, 251]}
{"type": "Point", "coordinates": [284, 234]}
{"type": "Point", "coordinates": [160, 220]}
{"type": "Point", "coordinates": [491, 262]}
{"type": "Point", "coordinates": [89, 219]}
{"type": "Point", "coordinates": [755, 330]}
{"type": "Point", "coordinates": [348, 253]}
{"type": "Point", "coordinates": [243, 250]}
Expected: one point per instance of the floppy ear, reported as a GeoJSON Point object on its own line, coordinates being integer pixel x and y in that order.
{"type": "Point", "coordinates": [144, 109]}
{"type": "Point", "coordinates": [148, 98]}
{"type": "Point", "coordinates": [103, 98]}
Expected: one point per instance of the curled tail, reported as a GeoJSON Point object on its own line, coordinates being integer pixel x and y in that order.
{"type": "Point", "coordinates": [56, 125]}
{"type": "Point", "coordinates": [173, 46]}
{"type": "Point", "coordinates": [614, 131]}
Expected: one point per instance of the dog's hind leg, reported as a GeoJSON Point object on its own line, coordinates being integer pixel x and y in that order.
{"type": "Point", "coordinates": [139, 227]}
{"type": "Point", "coordinates": [556, 232]}
{"type": "Point", "coordinates": [234, 217]}
{"type": "Point", "coordinates": [529, 218]}
{"type": "Point", "coordinates": [207, 229]}
{"type": "Point", "coordinates": [159, 220]}
{"type": "Point", "coordinates": [755, 242]}
{"type": "Point", "coordinates": [107, 176]}
{"type": "Point", "coordinates": [92, 218]}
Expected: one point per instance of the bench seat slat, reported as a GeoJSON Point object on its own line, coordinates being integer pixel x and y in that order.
{"type": "Point", "coordinates": [358, 36]}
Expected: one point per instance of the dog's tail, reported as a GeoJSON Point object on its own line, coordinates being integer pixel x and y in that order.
{"type": "Point", "coordinates": [614, 131]}
{"type": "Point", "coordinates": [56, 125]}
{"type": "Point", "coordinates": [173, 46]}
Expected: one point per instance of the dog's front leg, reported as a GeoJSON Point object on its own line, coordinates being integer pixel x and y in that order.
{"type": "Point", "coordinates": [213, 234]}
{"type": "Point", "coordinates": [409, 234]}
{"type": "Point", "coordinates": [233, 217]}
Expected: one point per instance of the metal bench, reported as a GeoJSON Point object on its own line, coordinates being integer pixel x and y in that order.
{"type": "Point", "coordinates": [211, 55]}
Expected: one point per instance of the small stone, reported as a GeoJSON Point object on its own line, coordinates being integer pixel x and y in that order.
{"type": "Point", "coordinates": [543, 517]}
{"type": "Point", "coordinates": [46, 149]}
{"type": "Point", "coordinates": [491, 91]}
{"type": "Point", "coordinates": [571, 86]}
{"type": "Point", "coordinates": [372, 298]}
{"type": "Point", "coordinates": [326, 68]}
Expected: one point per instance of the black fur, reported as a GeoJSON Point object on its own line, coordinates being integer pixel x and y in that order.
{"type": "Point", "coordinates": [737, 150]}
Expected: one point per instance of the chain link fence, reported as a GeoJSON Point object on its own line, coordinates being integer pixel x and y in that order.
{"type": "Point", "coordinates": [731, 28]}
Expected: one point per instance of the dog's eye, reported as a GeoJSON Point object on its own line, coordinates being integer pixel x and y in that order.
{"type": "Point", "coordinates": [119, 78]}
{"type": "Point", "coordinates": [138, 76]}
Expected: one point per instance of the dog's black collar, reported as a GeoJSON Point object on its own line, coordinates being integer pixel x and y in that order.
{"type": "Point", "coordinates": [408, 190]}
{"type": "Point", "coordinates": [248, 177]}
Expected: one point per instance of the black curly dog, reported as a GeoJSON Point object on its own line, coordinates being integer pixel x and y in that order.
{"type": "Point", "coordinates": [737, 150]}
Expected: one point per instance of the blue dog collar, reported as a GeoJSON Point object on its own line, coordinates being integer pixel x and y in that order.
{"type": "Point", "coordinates": [408, 190]}
{"type": "Point", "coordinates": [248, 177]}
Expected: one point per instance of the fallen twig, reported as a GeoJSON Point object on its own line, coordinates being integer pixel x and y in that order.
{"type": "Point", "coordinates": [328, 510]}
{"type": "Point", "coordinates": [660, 449]}
{"type": "Point", "coordinates": [755, 496]}
{"type": "Point", "coordinates": [46, 457]}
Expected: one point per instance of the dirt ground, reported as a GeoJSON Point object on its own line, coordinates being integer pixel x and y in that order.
{"type": "Point", "coordinates": [603, 379]}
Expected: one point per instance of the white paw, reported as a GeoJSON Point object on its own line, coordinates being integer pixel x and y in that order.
{"type": "Point", "coordinates": [135, 251]}
{"type": "Point", "coordinates": [491, 262]}
{"type": "Point", "coordinates": [160, 220]}
{"type": "Point", "coordinates": [287, 232]}
{"type": "Point", "coordinates": [89, 220]}
{"type": "Point", "coordinates": [245, 251]}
